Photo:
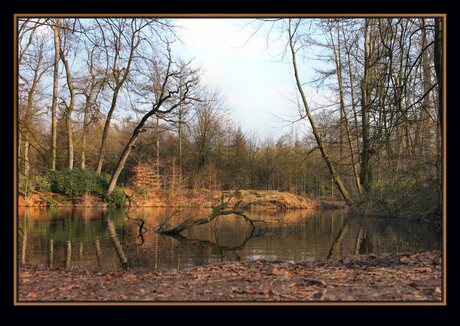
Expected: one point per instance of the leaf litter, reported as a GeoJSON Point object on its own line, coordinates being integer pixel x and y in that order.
{"type": "Point", "coordinates": [383, 277]}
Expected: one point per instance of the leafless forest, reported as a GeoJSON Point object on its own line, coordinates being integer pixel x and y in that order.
{"type": "Point", "coordinates": [106, 103]}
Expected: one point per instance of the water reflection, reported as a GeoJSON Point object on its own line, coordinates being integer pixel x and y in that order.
{"type": "Point", "coordinates": [115, 239]}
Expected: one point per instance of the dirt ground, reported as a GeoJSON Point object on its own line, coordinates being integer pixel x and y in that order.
{"type": "Point", "coordinates": [385, 277]}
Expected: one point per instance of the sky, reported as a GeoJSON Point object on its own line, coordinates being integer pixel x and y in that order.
{"type": "Point", "coordinates": [256, 80]}
{"type": "Point", "coordinates": [258, 86]}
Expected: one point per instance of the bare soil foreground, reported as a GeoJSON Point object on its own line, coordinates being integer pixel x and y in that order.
{"type": "Point", "coordinates": [384, 277]}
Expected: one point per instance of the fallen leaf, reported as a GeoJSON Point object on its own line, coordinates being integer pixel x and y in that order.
{"type": "Point", "coordinates": [276, 271]}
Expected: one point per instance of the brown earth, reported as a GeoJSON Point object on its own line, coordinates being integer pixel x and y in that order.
{"type": "Point", "coordinates": [376, 278]}
{"type": "Point", "coordinates": [47, 199]}
{"type": "Point", "coordinates": [250, 199]}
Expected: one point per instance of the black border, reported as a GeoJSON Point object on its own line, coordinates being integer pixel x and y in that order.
{"type": "Point", "coordinates": [405, 314]}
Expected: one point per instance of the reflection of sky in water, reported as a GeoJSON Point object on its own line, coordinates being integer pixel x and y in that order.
{"type": "Point", "coordinates": [299, 235]}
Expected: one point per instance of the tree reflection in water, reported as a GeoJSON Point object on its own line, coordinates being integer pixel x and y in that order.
{"type": "Point", "coordinates": [112, 240]}
{"type": "Point", "coordinates": [214, 247]}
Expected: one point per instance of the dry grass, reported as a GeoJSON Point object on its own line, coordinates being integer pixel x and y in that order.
{"type": "Point", "coordinates": [250, 199]}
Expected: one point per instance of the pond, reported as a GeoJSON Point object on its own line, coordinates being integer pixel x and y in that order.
{"type": "Point", "coordinates": [110, 239]}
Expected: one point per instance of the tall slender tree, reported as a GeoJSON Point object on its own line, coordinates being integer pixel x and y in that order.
{"type": "Point", "coordinates": [292, 30]}
{"type": "Point", "coordinates": [57, 46]}
{"type": "Point", "coordinates": [69, 107]}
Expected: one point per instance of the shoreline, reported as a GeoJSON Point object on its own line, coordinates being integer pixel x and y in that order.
{"type": "Point", "coordinates": [390, 277]}
{"type": "Point", "coordinates": [249, 199]}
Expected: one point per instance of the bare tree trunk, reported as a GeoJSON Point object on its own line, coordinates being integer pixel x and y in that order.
{"type": "Point", "coordinates": [57, 46]}
{"type": "Point", "coordinates": [180, 153]}
{"type": "Point", "coordinates": [55, 95]}
{"type": "Point", "coordinates": [343, 113]}
{"type": "Point", "coordinates": [422, 135]}
{"type": "Point", "coordinates": [365, 174]}
{"type": "Point", "coordinates": [83, 136]}
{"type": "Point", "coordinates": [365, 170]}
{"type": "Point", "coordinates": [19, 147]}
{"type": "Point", "coordinates": [27, 114]}
{"type": "Point", "coordinates": [438, 64]}
{"type": "Point", "coordinates": [26, 121]}
{"type": "Point", "coordinates": [69, 110]}
{"type": "Point", "coordinates": [129, 146]}
{"type": "Point", "coordinates": [319, 142]}
{"type": "Point", "coordinates": [352, 94]}
{"type": "Point", "coordinates": [70, 150]}
{"type": "Point", "coordinates": [120, 77]}
{"type": "Point", "coordinates": [23, 51]}
{"type": "Point", "coordinates": [181, 112]}
{"type": "Point", "coordinates": [83, 156]}
{"type": "Point", "coordinates": [158, 147]}
{"type": "Point", "coordinates": [94, 84]}
{"type": "Point", "coordinates": [124, 156]}
{"type": "Point", "coordinates": [105, 132]}
{"type": "Point", "coordinates": [164, 95]}
{"type": "Point", "coordinates": [26, 156]}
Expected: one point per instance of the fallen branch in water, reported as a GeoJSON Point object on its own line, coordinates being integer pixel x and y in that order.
{"type": "Point", "coordinates": [218, 210]}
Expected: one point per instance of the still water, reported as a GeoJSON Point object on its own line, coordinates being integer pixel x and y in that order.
{"type": "Point", "coordinates": [109, 239]}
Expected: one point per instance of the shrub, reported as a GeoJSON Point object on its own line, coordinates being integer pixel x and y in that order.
{"type": "Point", "coordinates": [42, 183]}
{"type": "Point", "coordinates": [77, 182]}
{"type": "Point", "coordinates": [25, 185]}
{"type": "Point", "coordinates": [407, 198]}
{"type": "Point", "coordinates": [117, 198]}
{"type": "Point", "coordinates": [51, 202]}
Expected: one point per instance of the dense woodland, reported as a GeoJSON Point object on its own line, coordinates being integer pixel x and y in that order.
{"type": "Point", "coordinates": [110, 97]}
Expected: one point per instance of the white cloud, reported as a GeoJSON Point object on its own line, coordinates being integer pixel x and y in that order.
{"type": "Point", "coordinates": [259, 89]}
{"type": "Point", "coordinates": [210, 34]}
{"type": "Point", "coordinates": [213, 74]}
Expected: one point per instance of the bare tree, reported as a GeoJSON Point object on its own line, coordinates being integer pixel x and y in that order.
{"type": "Point", "coordinates": [182, 117]}
{"type": "Point", "coordinates": [292, 29]}
{"type": "Point", "coordinates": [91, 87]}
{"type": "Point", "coordinates": [122, 37]}
{"type": "Point", "coordinates": [208, 126]}
{"type": "Point", "coordinates": [382, 123]}
{"type": "Point", "coordinates": [438, 63]}
{"type": "Point", "coordinates": [69, 107]}
{"type": "Point", "coordinates": [369, 58]}
{"type": "Point", "coordinates": [171, 87]}
{"type": "Point", "coordinates": [336, 48]}
{"type": "Point", "coordinates": [57, 46]}
{"type": "Point", "coordinates": [32, 69]}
